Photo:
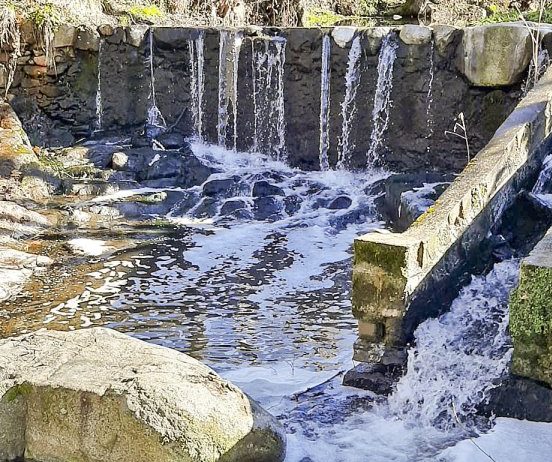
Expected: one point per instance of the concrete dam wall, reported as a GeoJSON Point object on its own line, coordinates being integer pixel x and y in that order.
{"type": "Point", "coordinates": [356, 98]}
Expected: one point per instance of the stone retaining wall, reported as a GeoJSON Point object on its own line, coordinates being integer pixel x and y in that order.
{"type": "Point", "coordinates": [401, 279]}
{"type": "Point", "coordinates": [433, 81]}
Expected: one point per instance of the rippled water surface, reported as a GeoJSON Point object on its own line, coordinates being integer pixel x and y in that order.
{"type": "Point", "coordinates": [256, 283]}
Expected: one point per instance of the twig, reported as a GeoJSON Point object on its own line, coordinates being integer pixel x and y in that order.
{"type": "Point", "coordinates": [177, 120]}
{"type": "Point", "coordinates": [464, 135]}
{"type": "Point", "coordinates": [467, 431]}
{"type": "Point", "coordinates": [296, 396]}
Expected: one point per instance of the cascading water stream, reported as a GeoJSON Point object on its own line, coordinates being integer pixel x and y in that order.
{"type": "Point", "coordinates": [458, 358]}
{"type": "Point", "coordinates": [268, 97]}
{"type": "Point", "coordinates": [542, 190]}
{"type": "Point", "coordinates": [99, 104]}
{"type": "Point", "coordinates": [325, 104]}
{"type": "Point", "coordinates": [382, 99]}
{"type": "Point", "coordinates": [197, 81]}
{"type": "Point", "coordinates": [155, 121]}
{"type": "Point", "coordinates": [429, 113]}
{"type": "Point", "coordinates": [348, 106]}
{"type": "Point", "coordinates": [229, 54]}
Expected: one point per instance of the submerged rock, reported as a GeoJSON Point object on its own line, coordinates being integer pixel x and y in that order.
{"type": "Point", "coordinates": [97, 394]}
{"type": "Point", "coordinates": [264, 188]}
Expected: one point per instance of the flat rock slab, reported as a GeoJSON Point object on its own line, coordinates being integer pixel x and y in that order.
{"type": "Point", "coordinates": [98, 395]}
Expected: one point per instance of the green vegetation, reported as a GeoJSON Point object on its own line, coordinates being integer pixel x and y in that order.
{"type": "Point", "coordinates": [322, 18]}
{"type": "Point", "coordinates": [46, 15]}
{"type": "Point", "coordinates": [531, 303]}
{"type": "Point", "coordinates": [18, 390]}
{"type": "Point", "coordinates": [149, 13]}
{"type": "Point", "coordinates": [496, 14]}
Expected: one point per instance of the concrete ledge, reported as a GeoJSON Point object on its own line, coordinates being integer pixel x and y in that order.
{"type": "Point", "coordinates": [396, 275]}
{"type": "Point", "coordinates": [531, 315]}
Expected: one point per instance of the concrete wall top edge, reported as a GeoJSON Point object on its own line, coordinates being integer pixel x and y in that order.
{"type": "Point", "coordinates": [484, 176]}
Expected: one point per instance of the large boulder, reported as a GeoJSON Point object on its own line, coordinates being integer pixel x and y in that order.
{"type": "Point", "coordinates": [98, 395]}
{"type": "Point", "coordinates": [495, 55]}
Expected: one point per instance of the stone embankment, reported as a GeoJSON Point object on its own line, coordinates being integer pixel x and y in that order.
{"type": "Point", "coordinates": [97, 394]}
{"type": "Point", "coordinates": [401, 279]}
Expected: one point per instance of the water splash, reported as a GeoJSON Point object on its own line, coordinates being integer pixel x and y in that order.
{"type": "Point", "coordinates": [99, 104]}
{"type": "Point", "coordinates": [197, 81]}
{"type": "Point", "coordinates": [545, 177]}
{"type": "Point", "coordinates": [382, 99]}
{"type": "Point", "coordinates": [348, 106]}
{"type": "Point", "coordinates": [155, 123]}
{"type": "Point", "coordinates": [268, 74]}
{"type": "Point", "coordinates": [458, 357]}
{"type": "Point", "coordinates": [325, 104]}
{"type": "Point", "coordinates": [456, 361]}
{"type": "Point", "coordinates": [229, 53]}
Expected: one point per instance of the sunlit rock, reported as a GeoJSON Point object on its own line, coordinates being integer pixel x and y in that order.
{"type": "Point", "coordinates": [99, 395]}
{"type": "Point", "coordinates": [495, 55]}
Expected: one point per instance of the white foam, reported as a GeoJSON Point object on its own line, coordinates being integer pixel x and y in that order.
{"type": "Point", "coordinates": [92, 247]}
{"type": "Point", "coordinates": [510, 440]}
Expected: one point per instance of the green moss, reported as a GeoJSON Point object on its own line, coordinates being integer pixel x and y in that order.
{"type": "Point", "coordinates": [531, 303]}
{"type": "Point", "coordinates": [389, 257]}
{"type": "Point", "coordinates": [322, 18]}
{"type": "Point", "coordinates": [46, 15]}
{"type": "Point", "coordinates": [146, 12]}
{"type": "Point", "coordinates": [17, 391]}
{"type": "Point", "coordinates": [161, 223]}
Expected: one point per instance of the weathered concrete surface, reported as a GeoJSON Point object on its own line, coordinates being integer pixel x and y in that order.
{"type": "Point", "coordinates": [97, 394]}
{"type": "Point", "coordinates": [496, 54]}
{"type": "Point", "coordinates": [531, 315]}
{"type": "Point", "coordinates": [397, 278]}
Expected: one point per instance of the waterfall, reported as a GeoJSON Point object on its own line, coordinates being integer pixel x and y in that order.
{"type": "Point", "coordinates": [382, 99]}
{"type": "Point", "coordinates": [197, 81]}
{"type": "Point", "coordinates": [229, 54]}
{"type": "Point", "coordinates": [155, 122]}
{"type": "Point", "coordinates": [458, 357]}
{"type": "Point", "coordinates": [269, 130]}
{"type": "Point", "coordinates": [99, 104]}
{"type": "Point", "coordinates": [348, 106]}
{"type": "Point", "coordinates": [430, 94]}
{"type": "Point", "coordinates": [545, 177]}
{"type": "Point", "coordinates": [325, 104]}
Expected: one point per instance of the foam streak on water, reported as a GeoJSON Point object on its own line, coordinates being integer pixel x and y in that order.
{"type": "Point", "coordinates": [348, 106]}
{"type": "Point", "coordinates": [197, 81]}
{"type": "Point", "coordinates": [382, 98]}
{"type": "Point", "coordinates": [325, 103]}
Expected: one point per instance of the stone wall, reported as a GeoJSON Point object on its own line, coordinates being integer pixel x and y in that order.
{"type": "Point", "coordinates": [430, 88]}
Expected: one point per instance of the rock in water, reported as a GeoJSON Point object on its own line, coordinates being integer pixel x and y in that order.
{"type": "Point", "coordinates": [97, 394]}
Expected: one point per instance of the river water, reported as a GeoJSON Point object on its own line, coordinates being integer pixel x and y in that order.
{"type": "Point", "coordinates": [256, 284]}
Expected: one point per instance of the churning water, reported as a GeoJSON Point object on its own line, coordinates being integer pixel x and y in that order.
{"type": "Point", "coordinates": [257, 285]}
